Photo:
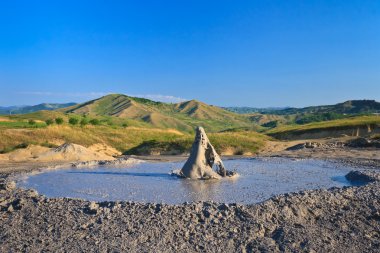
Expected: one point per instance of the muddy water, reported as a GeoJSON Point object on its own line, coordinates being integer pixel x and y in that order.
{"type": "Point", "coordinates": [151, 182]}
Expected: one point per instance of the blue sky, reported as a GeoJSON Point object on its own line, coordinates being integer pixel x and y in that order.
{"type": "Point", "coordinates": [228, 53]}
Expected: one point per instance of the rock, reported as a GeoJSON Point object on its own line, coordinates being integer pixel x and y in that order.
{"type": "Point", "coordinates": [203, 158]}
{"type": "Point", "coordinates": [296, 147]}
{"type": "Point", "coordinates": [11, 186]}
{"type": "Point", "coordinates": [92, 208]}
{"type": "Point", "coordinates": [32, 193]}
{"type": "Point", "coordinates": [363, 176]}
{"type": "Point", "coordinates": [7, 186]}
{"type": "Point", "coordinates": [359, 143]}
{"type": "Point", "coordinates": [316, 145]}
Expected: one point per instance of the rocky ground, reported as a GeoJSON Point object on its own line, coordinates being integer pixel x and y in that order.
{"type": "Point", "coordinates": [334, 220]}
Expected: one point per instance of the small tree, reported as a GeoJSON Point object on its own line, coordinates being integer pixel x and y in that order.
{"type": "Point", "coordinates": [94, 122]}
{"type": "Point", "coordinates": [73, 121]}
{"type": "Point", "coordinates": [32, 122]}
{"type": "Point", "coordinates": [59, 121]}
{"type": "Point", "coordinates": [49, 122]}
{"type": "Point", "coordinates": [84, 122]}
{"type": "Point", "coordinates": [124, 125]}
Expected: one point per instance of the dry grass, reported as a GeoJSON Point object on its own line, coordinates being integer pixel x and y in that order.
{"type": "Point", "coordinates": [347, 122]}
{"type": "Point", "coordinates": [120, 138]}
{"type": "Point", "coordinates": [236, 143]}
{"type": "Point", "coordinates": [124, 139]}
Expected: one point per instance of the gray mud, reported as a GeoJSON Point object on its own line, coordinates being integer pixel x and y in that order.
{"type": "Point", "coordinates": [259, 179]}
{"type": "Point", "coordinates": [335, 220]}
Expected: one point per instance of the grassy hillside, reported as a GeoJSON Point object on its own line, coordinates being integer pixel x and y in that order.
{"type": "Point", "coordinates": [130, 140]}
{"type": "Point", "coordinates": [183, 116]}
{"type": "Point", "coordinates": [301, 116]}
{"type": "Point", "coordinates": [350, 126]}
{"type": "Point", "coordinates": [348, 107]}
{"type": "Point", "coordinates": [141, 126]}
{"type": "Point", "coordinates": [131, 125]}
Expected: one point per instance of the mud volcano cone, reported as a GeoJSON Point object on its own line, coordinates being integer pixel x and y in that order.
{"type": "Point", "coordinates": [202, 160]}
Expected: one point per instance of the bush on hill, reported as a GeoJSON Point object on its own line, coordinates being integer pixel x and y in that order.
{"type": "Point", "coordinates": [49, 122]}
{"type": "Point", "coordinates": [73, 121]}
{"type": "Point", "coordinates": [59, 121]}
{"type": "Point", "coordinates": [94, 122]}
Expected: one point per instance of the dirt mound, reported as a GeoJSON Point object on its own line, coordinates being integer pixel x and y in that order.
{"type": "Point", "coordinates": [72, 152]}
{"type": "Point", "coordinates": [3, 157]}
{"type": "Point", "coordinates": [25, 154]}
{"type": "Point", "coordinates": [67, 152]}
{"type": "Point", "coordinates": [104, 149]}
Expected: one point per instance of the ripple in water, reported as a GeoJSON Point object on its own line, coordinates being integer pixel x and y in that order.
{"type": "Point", "coordinates": [259, 180]}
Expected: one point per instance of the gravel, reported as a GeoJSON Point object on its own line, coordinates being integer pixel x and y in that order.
{"type": "Point", "coordinates": [335, 220]}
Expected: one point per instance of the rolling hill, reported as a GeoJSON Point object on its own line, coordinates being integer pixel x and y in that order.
{"type": "Point", "coordinates": [142, 126]}
{"type": "Point", "coordinates": [33, 108]}
{"type": "Point", "coordinates": [183, 116]}
{"type": "Point", "coordinates": [348, 107]}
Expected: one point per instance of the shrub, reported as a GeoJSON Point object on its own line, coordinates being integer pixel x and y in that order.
{"type": "Point", "coordinates": [124, 125]}
{"type": "Point", "coordinates": [73, 121]}
{"type": "Point", "coordinates": [12, 148]}
{"type": "Point", "coordinates": [59, 121]}
{"type": "Point", "coordinates": [271, 124]}
{"type": "Point", "coordinates": [32, 122]}
{"type": "Point", "coordinates": [318, 117]}
{"type": "Point", "coordinates": [48, 144]}
{"type": "Point", "coordinates": [84, 122]}
{"type": "Point", "coordinates": [94, 122]}
{"type": "Point", "coordinates": [49, 122]}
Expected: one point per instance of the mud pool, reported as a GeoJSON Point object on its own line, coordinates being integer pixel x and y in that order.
{"type": "Point", "coordinates": [259, 179]}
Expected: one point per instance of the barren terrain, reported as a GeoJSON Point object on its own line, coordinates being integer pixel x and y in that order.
{"type": "Point", "coordinates": [334, 220]}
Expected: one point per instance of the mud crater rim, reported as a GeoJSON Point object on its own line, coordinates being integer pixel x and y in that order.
{"type": "Point", "coordinates": [214, 193]}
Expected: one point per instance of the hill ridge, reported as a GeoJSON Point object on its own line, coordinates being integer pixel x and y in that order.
{"type": "Point", "coordinates": [184, 115]}
{"type": "Point", "coordinates": [348, 107]}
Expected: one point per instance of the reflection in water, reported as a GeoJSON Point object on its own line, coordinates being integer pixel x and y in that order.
{"type": "Point", "coordinates": [151, 182]}
{"type": "Point", "coordinates": [135, 174]}
{"type": "Point", "coordinates": [203, 190]}
{"type": "Point", "coordinates": [200, 190]}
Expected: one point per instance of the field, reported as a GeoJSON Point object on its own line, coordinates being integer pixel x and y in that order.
{"type": "Point", "coordinates": [140, 126]}
{"type": "Point", "coordinates": [131, 140]}
{"type": "Point", "coordinates": [354, 125]}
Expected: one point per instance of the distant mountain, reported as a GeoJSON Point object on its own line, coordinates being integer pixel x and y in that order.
{"type": "Point", "coordinates": [248, 110]}
{"type": "Point", "coordinates": [348, 107]}
{"type": "Point", "coordinates": [183, 116]}
{"type": "Point", "coordinates": [33, 108]}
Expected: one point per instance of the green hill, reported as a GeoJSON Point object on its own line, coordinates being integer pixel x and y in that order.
{"type": "Point", "coordinates": [353, 126]}
{"type": "Point", "coordinates": [348, 107]}
{"type": "Point", "coordinates": [182, 116]}
{"type": "Point", "coordinates": [309, 114]}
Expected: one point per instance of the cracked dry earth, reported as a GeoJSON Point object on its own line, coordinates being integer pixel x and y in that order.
{"type": "Point", "coordinates": [335, 220]}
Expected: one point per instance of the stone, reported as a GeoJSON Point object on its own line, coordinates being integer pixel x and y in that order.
{"type": "Point", "coordinates": [92, 208]}
{"type": "Point", "coordinates": [7, 186]}
{"type": "Point", "coordinates": [202, 159]}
